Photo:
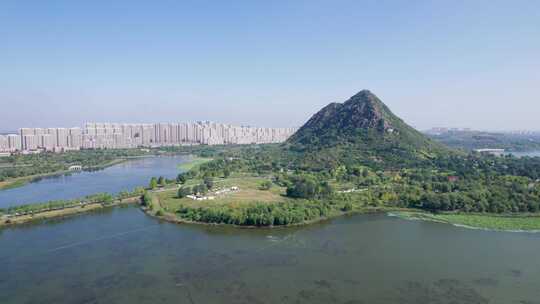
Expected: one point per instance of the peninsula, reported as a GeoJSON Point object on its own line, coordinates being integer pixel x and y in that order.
{"type": "Point", "coordinates": [355, 156]}
{"type": "Point", "coordinates": [350, 157]}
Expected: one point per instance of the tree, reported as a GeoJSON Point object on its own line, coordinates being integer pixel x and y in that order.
{"type": "Point", "coordinates": [265, 185]}
{"type": "Point", "coordinates": [326, 190]}
{"type": "Point", "coordinates": [347, 207]}
{"type": "Point", "coordinates": [303, 188]}
{"type": "Point", "coordinates": [161, 181]}
{"type": "Point", "coordinates": [184, 191]}
{"type": "Point", "coordinates": [181, 179]}
{"type": "Point", "coordinates": [208, 182]}
{"type": "Point", "coordinates": [153, 183]}
{"type": "Point", "coordinates": [365, 173]}
{"type": "Point", "coordinates": [201, 189]}
{"type": "Point", "coordinates": [147, 199]}
{"type": "Point", "coordinates": [226, 173]}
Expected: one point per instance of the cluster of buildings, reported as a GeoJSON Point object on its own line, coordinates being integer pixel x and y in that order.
{"type": "Point", "coordinates": [440, 131]}
{"type": "Point", "coordinates": [201, 197]}
{"type": "Point", "coordinates": [118, 135]}
{"type": "Point", "coordinates": [490, 151]}
{"type": "Point", "coordinates": [523, 132]}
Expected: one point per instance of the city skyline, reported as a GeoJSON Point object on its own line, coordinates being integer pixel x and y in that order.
{"type": "Point", "coordinates": [427, 129]}
{"type": "Point", "coordinates": [121, 135]}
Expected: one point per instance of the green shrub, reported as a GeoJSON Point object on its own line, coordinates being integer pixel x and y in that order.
{"type": "Point", "coordinates": [184, 191]}
{"type": "Point", "coordinates": [347, 207]}
{"type": "Point", "coordinates": [266, 185]}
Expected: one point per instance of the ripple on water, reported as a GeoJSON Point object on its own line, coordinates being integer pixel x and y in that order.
{"type": "Point", "coordinates": [443, 291]}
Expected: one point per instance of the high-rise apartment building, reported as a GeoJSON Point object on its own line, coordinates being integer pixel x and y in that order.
{"type": "Point", "coordinates": [4, 146]}
{"type": "Point", "coordinates": [14, 142]}
{"type": "Point", "coordinates": [115, 135]}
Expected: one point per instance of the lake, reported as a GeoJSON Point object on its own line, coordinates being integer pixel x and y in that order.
{"type": "Point", "coordinates": [124, 176]}
{"type": "Point", "coordinates": [120, 255]}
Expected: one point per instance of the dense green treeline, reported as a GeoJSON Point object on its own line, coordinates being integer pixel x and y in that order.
{"type": "Point", "coordinates": [264, 214]}
{"type": "Point", "coordinates": [501, 195]}
{"type": "Point", "coordinates": [104, 198]}
{"type": "Point", "coordinates": [470, 140]}
{"type": "Point", "coordinates": [308, 187]}
{"type": "Point", "coordinates": [476, 165]}
{"type": "Point", "coordinates": [451, 182]}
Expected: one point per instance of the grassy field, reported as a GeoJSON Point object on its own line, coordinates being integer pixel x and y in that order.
{"type": "Point", "coordinates": [251, 206]}
{"type": "Point", "coordinates": [249, 192]}
{"type": "Point", "coordinates": [15, 182]}
{"type": "Point", "coordinates": [197, 161]}
{"type": "Point", "coordinates": [520, 222]}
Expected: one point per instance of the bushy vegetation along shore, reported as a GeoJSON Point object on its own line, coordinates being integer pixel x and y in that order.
{"type": "Point", "coordinates": [59, 208]}
{"type": "Point", "coordinates": [102, 198]}
{"type": "Point", "coordinates": [503, 222]}
{"type": "Point", "coordinates": [274, 191]}
{"type": "Point", "coordinates": [475, 184]}
{"type": "Point", "coordinates": [53, 209]}
{"type": "Point", "coordinates": [262, 199]}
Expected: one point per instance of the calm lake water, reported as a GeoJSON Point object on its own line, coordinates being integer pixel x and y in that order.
{"type": "Point", "coordinates": [122, 256]}
{"type": "Point", "coordinates": [124, 176]}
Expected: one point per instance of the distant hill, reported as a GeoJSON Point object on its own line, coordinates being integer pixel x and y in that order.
{"type": "Point", "coordinates": [471, 140]}
{"type": "Point", "coordinates": [362, 130]}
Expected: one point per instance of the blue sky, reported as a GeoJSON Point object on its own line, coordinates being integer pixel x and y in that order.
{"type": "Point", "coordinates": [268, 63]}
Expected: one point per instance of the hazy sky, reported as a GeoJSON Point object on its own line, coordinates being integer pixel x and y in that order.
{"type": "Point", "coordinates": [268, 63]}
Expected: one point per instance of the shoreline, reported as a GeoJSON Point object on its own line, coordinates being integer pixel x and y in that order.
{"type": "Point", "coordinates": [402, 213]}
{"type": "Point", "coordinates": [519, 222]}
{"type": "Point", "coordinates": [66, 212]}
{"type": "Point", "coordinates": [6, 221]}
{"type": "Point", "coordinates": [172, 218]}
{"type": "Point", "coordinates": [196, 161]}
{"type": "Point", "coordinates": [24, 180]}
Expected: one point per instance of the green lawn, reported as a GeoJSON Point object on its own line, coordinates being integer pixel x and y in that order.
{"type": "Point", "coordinates": [248, 193]}
{"type": "Point", "coordinates": [495, 222]}
{"type": "Point", "coordinates": [197, 161]}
